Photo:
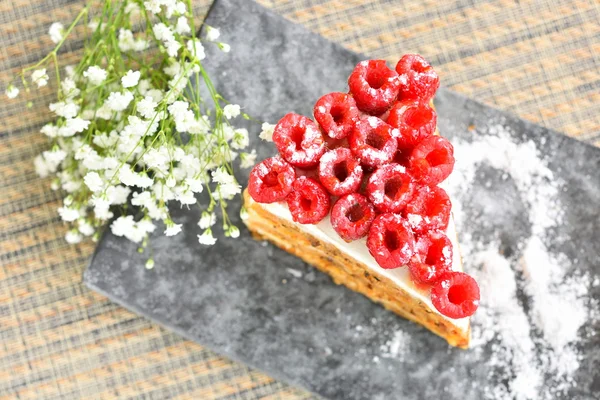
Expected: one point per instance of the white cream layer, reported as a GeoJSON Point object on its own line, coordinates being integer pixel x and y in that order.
{"type": "Point", "coordinates": [358, 250]}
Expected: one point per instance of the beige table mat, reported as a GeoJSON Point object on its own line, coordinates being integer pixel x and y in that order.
{"type": "Point", "coordinates": [539, 59]}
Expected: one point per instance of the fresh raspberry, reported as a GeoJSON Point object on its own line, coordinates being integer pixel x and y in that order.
{"type": "Point", "coordinates": [432, 258]}
{"type": "Point", "coordinates": [271, 180]}
{"type": "Point", "coordinates": [351, 216]}
{"type": "Point", "coordinates": [432, 160]}
{"type": "Point", "coordinates": [299, 140]}
{"type": "Point", "coordinates": [390, 188]}
{"type": "Point", "coordinates": [402, 156]}
{"type": "Point", "coordinates": [417, 77]}
{"type": "Point", "coordinates": [336, 113]}
{"type": "Point", "coordinates": [429, 209]}
{"type": "Point", "coordinates": [455, 295]}
{"type": "Point", "coordinates": [390, 241]}
{"type": "Point", "coordinates": [373, 141]}
{"type": "Point", "coordinates": [374, 86]}
{"type": "Point", "coordinates": [415, 121]}
{"type": "Point", "coordinates": [309, 201]}
{"type": "Point", "coordinates": [340, 172]}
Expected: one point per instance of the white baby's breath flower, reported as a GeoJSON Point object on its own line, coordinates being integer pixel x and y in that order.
{"type": "Point", "coordinates": [93, 24]}
{"type": "Point", "coordinates": [39, 77]}
{"type": "Point", "coordinates": [267, 132]}
{"type": "Point", "coordinates": [117, 194]}
{"type": "Point", "coordinates": [130, 79]}
{"type": "Point", "coordinates": [73, 237]}
{"type": "Point", "coordinates": [225, 48]}
{"type": "Point", "coordinates": [68, 214]}
{"type": "Point", "coordinates": [118, 101]}
{"type": "Point", "coordinates": [85, 227]}
{"type": "Point", "coordinates": [56, 32]}
{"type": "Point", "coordinates": [172, 229]}
{"type": "Point", "coordinates": [122, 225]}
{"type": "Point", "coordinates": [212, 34]}
{"type": "Point", "coordinates": [241, 139]}
{"type": "Point", "coordinates": [247, 160]}
{"type": "Point", "coordinates": [11, 92]}
{"type": "Point", "coordinates": [95, 75]}
{"type": "Point", "coordinates": [182, 26]}
{"type": "Point", "coordinates": [93, 181]}
{"type": "Point", "coordinates": [73, 126]}
{"type": "Point", "coordinates": [195, 185]}
{"type": "Point", "coordinates": [132, 8]}
{"type": "Point", "coordinates": [146, 226]}
{"type": "Point", "coordinates": [207, 238]}
{"type": "Point", "coordinates": [50, 130]}
{"type": "Point", "coordinates": [146, 107]}
{"type": "Point", "coordinates": [130, 178]}
{"type": "Point", "coordinates": [150, 263]}
{"type": "Point", "coordinates": [69, 71]}
{"type": "Point", "coordinates": [207, 220]}
{"type": "Point", "coordinates": [196, 49]}
{"type": "Point", "coordinates": [233, 232]}
{"type": "Point", "coordinates": [231, 111]}
{"type": "Point", "coordinates": [153, 6]}
{"type": "Point", "coordinates": [244, 214]}
{"type": "Point", "coordinates": [64, 109]}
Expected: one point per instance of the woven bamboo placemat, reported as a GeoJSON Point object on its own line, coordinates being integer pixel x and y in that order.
{"type": "Point", "coordinates": [539, 59]}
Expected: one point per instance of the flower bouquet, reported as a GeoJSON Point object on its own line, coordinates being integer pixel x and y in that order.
{"type": "Point", "coordinates": [134, 132]}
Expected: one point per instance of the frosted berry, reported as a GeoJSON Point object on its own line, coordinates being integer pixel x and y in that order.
{"type": "Point", "coordinates": [390, 188]}
{"type": "Point", "coordinates": [271, 180]}
{"type": "Point", "coordinates": [455, 295]}
{"type": "Point", "coordinates": [374, 86]}
{"type": "Point", "coordinates": [340, 172]}
{"type": "Point", "coordinates": [373, 141]}
{"type": "Point", "coordinates": [417, 77]}
{"type": "Point", "coordinates": [299, 140]}
{"type": "Point", "coordinates": [429, 209]}
{"type": "Point", "coordinates": [432, 160]}
{"type": "Point", "coordinates": [432, 258]}
{"type": "Point", "coordinates": [390, 241]}
{"type": "Point", "coordinates": [336, 113]}
{"type": "Point", "coordinates": [309, 201]}
{"type": "Point", "coordinates": [415, 121]}
{"type": "Point", "coordinates": [351, 216]}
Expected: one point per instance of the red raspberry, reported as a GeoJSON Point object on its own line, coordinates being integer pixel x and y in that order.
{"type": "Point", "coordinates": [351, 216]}
{"type": "Point", "coordinates": [373, 141]}
{"type": "Point", "coordinates": [429, 209]}
{"type": "Point", "coordinates": [402, 157]}
{"type": "Point", "coordinates": [299, 140]}
{"type": "Point", "coordinates": [414, 120]}
{"type": "Point", "coordinates": [340, 172]}
{"type": "Point", "coordinates": [432, 160]}
{"type": "Point", "coordinates": [271, 180]}
{"type": "Point", "coordinates": [374, 86]}
{"type": "Point", "coordinates": [455, 295]}
{"type": "Point", "coordinates": [309, 201]}
{"type": "Point", "coordinates": [390, 188]}
{"type": "Point", "coordinates": [336, 113]}
{"type": "Point", "coordinates": [390, 241]}
{"type": "Point", "coordinates": [417, 77]}
{"type": "Point", "coordinates": [432, 258]}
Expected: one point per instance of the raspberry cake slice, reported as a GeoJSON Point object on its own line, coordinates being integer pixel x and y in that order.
{"type": "Point", "coordinates": [355, 193]}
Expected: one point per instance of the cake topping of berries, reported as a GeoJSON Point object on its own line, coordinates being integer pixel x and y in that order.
{"type": "Point", "coordinates": [340, 172]}
{"type": "Point", "coordinates": [432, 160]}
{"type": "Point", "coordinates": [352, 216]}
{"type": "Point", "coordinates": [432, 258]}
{"type": "Point", "coordinates": [391, 241]}
{"type": "Point", "coordinates": [374, 86]}
{"type": "Point", "coordinates": [309, 201]}
{"type": "Point", "coordinates": [336, 113]}
{"type": "Point", "coordinates": [429, 209]}
{"type": "Point", "coordinates": [415, 121]}
{"type": "Point", "coordinates": [455, 295]}
{"type": "Point", "coordinates": [299, 140]}
{"type": "Point", "coordinates": [390, 188]}
{"type": "Point", "coordinates": [373, 141]}
{"type": "Point", "coordinates": [271, 180]}
{"type": "Point", "coordinates": [417, 77]}
{"type": "Point", "coordinates": [373, 161]}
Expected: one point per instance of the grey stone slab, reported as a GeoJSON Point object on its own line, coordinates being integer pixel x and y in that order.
{"type": "Point", "coordinates": [238, 298]}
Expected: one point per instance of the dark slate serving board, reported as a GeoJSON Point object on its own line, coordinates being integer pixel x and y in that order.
{"type": "Point", "coordinates": [238, 297]}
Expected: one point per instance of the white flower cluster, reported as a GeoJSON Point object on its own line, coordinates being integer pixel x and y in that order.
{"type": "Point", "coordinates": [128, 133]}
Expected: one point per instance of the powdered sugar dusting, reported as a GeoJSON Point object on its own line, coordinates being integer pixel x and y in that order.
{"type": "Point", "coordinates": [529, 344]}
{"type": "Point", "coordinates": [397, 346]}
